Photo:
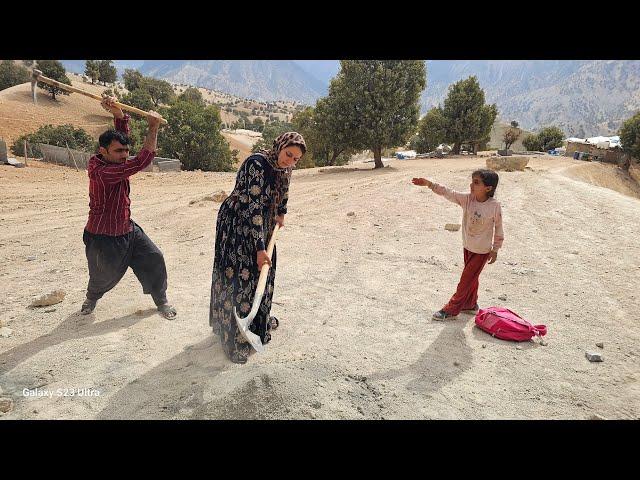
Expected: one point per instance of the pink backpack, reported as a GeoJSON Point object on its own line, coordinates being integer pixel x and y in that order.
{"type": "Point", "coordinates": [507, 325]}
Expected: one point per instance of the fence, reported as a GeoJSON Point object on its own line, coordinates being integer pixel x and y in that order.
{"type": "Point", "coordinates": [73, 158]}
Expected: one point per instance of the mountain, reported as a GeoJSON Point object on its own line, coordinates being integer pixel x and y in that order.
{"type": "Point", "coordinates": [77, 66]}
{"type": "Point", "coordinates": [583, 98]}
{"type": "Point", "coordinates": [263, 80]}
{"type": "Point", "coordinates": [323, 70]}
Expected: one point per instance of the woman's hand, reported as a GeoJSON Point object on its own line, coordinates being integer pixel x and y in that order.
{"type": "Point", "coordinates": [280, 220]}
{"type": "Point", "coordinates": [262, 258]}
{"type": "Point", "coordinates": [493, 254]}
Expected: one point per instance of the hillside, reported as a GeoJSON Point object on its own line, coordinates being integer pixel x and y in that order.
{"type": "Point", "coordinates": [19, 115]}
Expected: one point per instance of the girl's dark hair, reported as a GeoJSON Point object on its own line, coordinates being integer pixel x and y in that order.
{"type": "Point", "coordinates": [489, 179]}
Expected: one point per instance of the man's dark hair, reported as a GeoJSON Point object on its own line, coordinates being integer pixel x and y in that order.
{"type": "Point", "coordinates": [110, 135]}
{"type": "Point", "coordinates": [489, 179]}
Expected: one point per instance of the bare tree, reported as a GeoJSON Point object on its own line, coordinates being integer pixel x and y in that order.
{"type": "Point", "coordinates": [510, 136]}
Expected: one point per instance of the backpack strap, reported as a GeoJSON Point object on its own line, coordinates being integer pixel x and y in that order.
{"type": "Point", "coordinates": [541, 330]}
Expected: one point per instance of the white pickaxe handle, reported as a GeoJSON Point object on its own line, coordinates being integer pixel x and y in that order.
{"type": "Point", "coordinates": [71, 88]}
{"type": "Point", "coordinates": [244, 323]}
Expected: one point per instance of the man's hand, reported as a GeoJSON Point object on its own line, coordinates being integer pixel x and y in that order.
{"type": "Point", "coordinates": [108, 103]}
{"type": "Point", "coordinates": [262, 258]}
{"type": "Point", "coordinates": [493, 254]}
{"type": "Point", "coordinates": [280, 220]}
{"type": "Point", "coordinates": [422, 182]}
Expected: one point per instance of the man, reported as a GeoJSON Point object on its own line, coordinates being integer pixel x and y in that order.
{"type": "Point", "coordinates": [113, 241]}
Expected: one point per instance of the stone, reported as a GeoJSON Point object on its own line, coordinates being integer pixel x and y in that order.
{"type": "Point", "coordinates": [219, 196]}
{"type": "Point", "coordinates": [350, 214]}
{"type": "Point", "coordinates": [595, 416]}
{"type": "Point", "coordinates": [484, 346]}
{"type": "Point", "coordinates": [600, 345]}
{"type": "Point", "coordinates": [456, 364]}
{"type": "Point", "coordinates": [49, 310]}
{"type": "Point", "coordinates": [316, 405]}
{"type": "Point", "coordinates": [452, 227]}
{"type": "Point", "coordinates": [5, 332]}
{"type": "Point", "coordinates": [508, 164]}
{"type": "Point", "coordinates": [49, 299]}
{"type": "Point", "coordinates": [503, 298]}
{"type": "Point", "coordinates": [6, 404]}
{"type": "Point", "coordinates": [594, 357]}
{"type": "Point", "coordinates": [543, 343]}
{"type": "Point", "coordinates": [519, 347]}
{"type": "Point", "coordinates": [31, 258]}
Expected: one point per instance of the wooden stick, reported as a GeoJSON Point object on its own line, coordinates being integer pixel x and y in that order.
{"type": "Point", "coordinates": [71, 88]}
{"type": "Point", "coordinates": [25, 153]}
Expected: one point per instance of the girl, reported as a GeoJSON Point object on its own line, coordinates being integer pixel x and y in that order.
{"type": "Point", "coordinates": [481, 215]}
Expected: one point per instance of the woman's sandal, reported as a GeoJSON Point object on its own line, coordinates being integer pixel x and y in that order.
{"type": "Point", "coordinates": [238, 357]}
{"type": "Point", "coordinates": [274, 323]}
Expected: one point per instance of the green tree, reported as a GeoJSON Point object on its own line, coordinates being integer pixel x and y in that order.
{"type": "Point", "coordinates": [549, 138]}
{"type": "Point", "coordinates": [132, 79]}
{"type": "Point", "coordinates": [272, 130]}
{"type": "Point", "coordinates": [630, 136]}
{"type": "Point", "coordinates": [514, 124]}
{"type": "Point", "coordinates": [303, 122]}
{"type": "Point", "coordinates": [139, 98]}
{"type": "Point", "coordinates": [468, 119]}
{"type": "Point", "coordinates": [327, 142]}
{"type": "Point", "coordinates": [378, 102]}
{"type": "Point", "coordinates": [159, 90]}
{"type": "Point", "coordinates": [55, 71]}
{"type": "Point", "coordinates": [138, 131]}
{"type": "Point", "coordinates": [108, 72]}
{"type": "Point", "coordinates": [61, 136]}
{"type": "Point", "coordinates": [192, 95]}
{"type": "Point", "coordinates": [92, 70]}
{"type": "Point", "coordinates": [193, 136]}
{"type": "Point", "coordinates": [12, 74]}
{"type": "Point", "coordinates": [258, 124]}
{"type": "Point", "coordinates": [532, 143]}
{"type": "Point", "coordinates": [334, 141]}
{"type": "Point", "coordinates": [432, 131]}
{"type": "Point", "coordinates": [487, 119]}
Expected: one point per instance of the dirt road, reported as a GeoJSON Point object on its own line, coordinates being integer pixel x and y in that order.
{"type": "Point", "coordinates": [354, 295]}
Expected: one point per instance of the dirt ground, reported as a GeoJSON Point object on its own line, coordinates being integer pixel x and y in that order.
{"type": "Point", "coordinates": [354, 295]}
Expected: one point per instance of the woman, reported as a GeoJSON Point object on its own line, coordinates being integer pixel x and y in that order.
{"type": "Point", "coordinates": [243, 230]}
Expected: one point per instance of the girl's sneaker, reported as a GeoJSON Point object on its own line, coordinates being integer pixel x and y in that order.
{"type": "Point", "coordinates": [442, 315]}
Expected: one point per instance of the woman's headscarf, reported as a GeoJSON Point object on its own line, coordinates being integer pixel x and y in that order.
{"type": "Point", "coordinates": [283, 141]}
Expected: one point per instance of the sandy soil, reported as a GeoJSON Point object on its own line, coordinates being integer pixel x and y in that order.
{"type": "Point", "coordinates": [354, 295]}
{"type": "Point", "coordinates": [19, 115]}
{"type": "Point", "coordinates": [242, 143]}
